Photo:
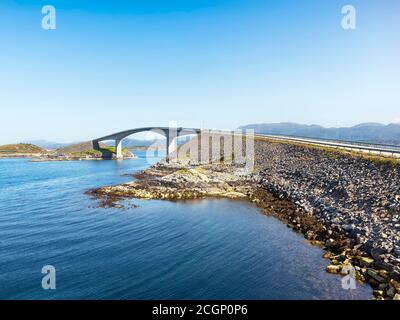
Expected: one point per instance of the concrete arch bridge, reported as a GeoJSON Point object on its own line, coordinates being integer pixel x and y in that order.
{"type": "Point", "coordinates": [171, 134]}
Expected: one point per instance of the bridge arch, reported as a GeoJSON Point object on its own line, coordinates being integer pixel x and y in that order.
{"type": "Point", "coordinates": [171, 134]}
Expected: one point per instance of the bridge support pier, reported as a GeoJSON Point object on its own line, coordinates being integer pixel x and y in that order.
{"type": "Point", "coordinates": [118, 149]}
{"type": "Point", "coordinates": [172, 146]}
{"type": "Point", "coordinates": [96, 145]}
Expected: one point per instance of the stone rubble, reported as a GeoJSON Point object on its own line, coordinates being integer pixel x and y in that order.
{"type": "Point", "coordinates": [353, 197]}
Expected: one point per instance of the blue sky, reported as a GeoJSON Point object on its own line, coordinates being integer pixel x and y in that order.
{"type": "Point", "coordinates": [114, 65]}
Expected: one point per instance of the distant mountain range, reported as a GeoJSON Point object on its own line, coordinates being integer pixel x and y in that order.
{"type": "Point", "coordinates": [48, 145]}
{"type": "Point", "coordinates": [364, 132]}
{"type": "Point", "coordinates": [130, 143]}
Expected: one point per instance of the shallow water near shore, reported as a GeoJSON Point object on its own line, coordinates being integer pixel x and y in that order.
{"type": "Point", "coordinates": [208, 249]}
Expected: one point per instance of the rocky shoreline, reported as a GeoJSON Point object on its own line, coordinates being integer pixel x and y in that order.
{"type": "Point", "coordinates": [348, 205]}
{"type": "Point", "coordinates": [20, 155]}
{"type": "Point", "coordinates": [55, 158]}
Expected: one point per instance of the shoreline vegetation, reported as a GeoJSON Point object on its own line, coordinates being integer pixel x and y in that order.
{"type": "Point", "coordinates": [346, 204]}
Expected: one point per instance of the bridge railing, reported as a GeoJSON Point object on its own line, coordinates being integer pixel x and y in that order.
{"type": "Point", "coordinates": [352, 145]}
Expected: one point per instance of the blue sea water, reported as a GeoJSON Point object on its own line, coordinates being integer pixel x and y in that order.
{"type": "Point", "coordinates": [208, 249]}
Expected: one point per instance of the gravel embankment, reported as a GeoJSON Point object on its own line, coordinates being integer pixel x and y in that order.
{"type": "Point", "coordinates": [351, 195]}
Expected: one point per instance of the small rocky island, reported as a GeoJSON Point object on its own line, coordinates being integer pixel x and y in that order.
{"type": "Point", "coordinates": [21, 150]}
{"type": "Point", "coordinates": [346, 203]}
{"type": "Point", "coordinates": [74, 152]}
{"type": "Point", "coordinates": [83, 151]}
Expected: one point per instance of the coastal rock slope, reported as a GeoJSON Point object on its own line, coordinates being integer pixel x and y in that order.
{"type": "Point", "coordinates": [353, 195]}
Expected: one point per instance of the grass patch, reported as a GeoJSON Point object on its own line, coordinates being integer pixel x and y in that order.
{"type": "Point", "coordinates": [21, 148]}
{"type": "Point", "coordinates": [85, 149]}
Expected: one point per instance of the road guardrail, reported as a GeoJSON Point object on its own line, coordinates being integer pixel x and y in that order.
{"type": "Point", "coordinates": [383, 149]}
